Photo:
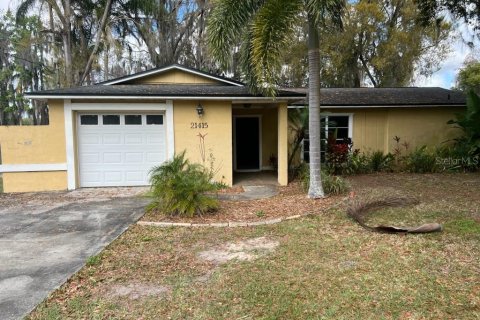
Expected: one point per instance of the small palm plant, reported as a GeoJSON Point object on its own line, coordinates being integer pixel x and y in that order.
{"type": "Point", "coordinates": [183, 188]}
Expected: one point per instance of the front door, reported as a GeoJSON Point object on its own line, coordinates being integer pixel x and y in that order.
{"type": "Point", "coordinates": [247, 143]}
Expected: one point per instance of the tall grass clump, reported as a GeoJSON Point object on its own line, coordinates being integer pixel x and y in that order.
{"type": "Point", "coordinates": [331, 184]}
{"type": "Point", "coordinates": [179, 187]}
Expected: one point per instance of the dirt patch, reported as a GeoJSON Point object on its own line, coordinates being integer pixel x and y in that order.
{"type": "Point", "coordinates": [135, 291]}
{"type": "Point", "coordinates": [245, 250]}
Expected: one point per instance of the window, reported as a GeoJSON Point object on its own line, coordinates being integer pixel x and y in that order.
{"type": "Point", "coordinates": [154, 119]}
{"type": "Point", "coordinates": [133, 119]}
{"type": "Point", "coordinates": [89, 120]}
{"type": "Point", "coordinates": [337, 126]}
{"type": "Point", "coordinates": [111, 119]}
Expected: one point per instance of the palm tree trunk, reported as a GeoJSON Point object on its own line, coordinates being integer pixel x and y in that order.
{"type": "Point", "coordinates": [315, 189]}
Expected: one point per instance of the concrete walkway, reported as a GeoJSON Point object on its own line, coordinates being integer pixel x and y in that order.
{"type": "Point", "coordinates": [40, 251]}
{"type": "Point", "coordinates": [251, 193]}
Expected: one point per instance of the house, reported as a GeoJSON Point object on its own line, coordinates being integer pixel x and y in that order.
{"type": "Point", "coordinates": [114, 132]}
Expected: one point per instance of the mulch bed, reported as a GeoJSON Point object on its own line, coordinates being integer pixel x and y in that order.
{"type": "Point", "coordinates": [290, 201]}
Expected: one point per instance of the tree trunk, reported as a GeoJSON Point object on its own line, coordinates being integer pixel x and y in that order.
{"type": "Point", "coordinates": [315, 189]}
{"type": "Point", "coordinates": [67, 43]}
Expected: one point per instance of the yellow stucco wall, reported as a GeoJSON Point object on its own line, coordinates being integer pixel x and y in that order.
{"type": "Point", "coordinates": [269, 129]}
{"type": "Point", "coordinates": [374, 129]}
{"type": "Point", "coordinates": [174, 76]}
{"type": "Point", "coordinates": [218, 135]}
{"type": "Point", "coordinates": [35, 145]}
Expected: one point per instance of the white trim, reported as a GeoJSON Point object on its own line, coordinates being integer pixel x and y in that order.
{"type": "Point", "coordinates": [170, 130]}
{"type": "Point", "coordinates": [70, 145]}
{"type": "Point", "coordinates": [383, 106]}
{"type": "Point", "coordinates": [172, 67]}
{"type": "Point", "coordinates": [40, 167]}
{"type": "Point", "coordinates": [70, 108]}
{"type": "Point", "coordinates": [332, 114]}
{"type": "Point", "coordinates": [259, 116]}
{"type": "Point", "coordinates": [350, 120]}
{"type": "Point", "coordinates": [217, 98]}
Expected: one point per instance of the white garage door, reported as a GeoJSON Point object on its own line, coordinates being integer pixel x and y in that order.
{"type": "Point", "coordinates": [119, 149]}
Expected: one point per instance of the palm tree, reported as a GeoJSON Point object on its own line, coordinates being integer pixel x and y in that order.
{"type": "Point", "coordinates": [263, 28]}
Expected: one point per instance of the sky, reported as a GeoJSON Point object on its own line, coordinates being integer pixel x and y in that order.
{"type": "Point", "coordinates": [444, 77]}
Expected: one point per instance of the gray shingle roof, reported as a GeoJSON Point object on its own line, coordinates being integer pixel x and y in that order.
{"type": "Point", "coordinates": [387, 96]}
{"type": "Point", "coordinates": [341, 97]}
{"type": "Point", "coordinates": [158, 90]}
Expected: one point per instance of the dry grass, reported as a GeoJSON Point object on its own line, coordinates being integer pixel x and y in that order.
{"type": "Point", "coordinates": [324, 267]}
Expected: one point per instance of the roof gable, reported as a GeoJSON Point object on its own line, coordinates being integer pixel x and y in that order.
{"type": "Point", "coordinates": [173, 74]}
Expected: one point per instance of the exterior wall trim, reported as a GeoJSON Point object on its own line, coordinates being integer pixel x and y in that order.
{"type": "Point", "coordinates": [216, 98]}
{"type": "Point", "coordinates": [70, 108]}
{"type": "Point", "coordinates": [39, 167]}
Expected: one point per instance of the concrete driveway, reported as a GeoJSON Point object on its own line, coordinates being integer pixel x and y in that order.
{"type": "Point", "coordinates": [46, 238]}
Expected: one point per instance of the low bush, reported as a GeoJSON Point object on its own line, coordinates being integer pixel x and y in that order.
{"type": "Point", "coordinates": [360, 163]}
{"type": "Point", "coordinates": [337, 155]}
{"type": "Point", "coordinates": [331, 184]}
{"type": "Point", "coordinates": [421, 160]}
{"type": "Point", "coordinates": [181, 188]}
{"type": "Point", "coordinates": [381, 162]}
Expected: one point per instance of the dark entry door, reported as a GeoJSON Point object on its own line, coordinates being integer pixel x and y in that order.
{"type": "Point", "coordinates": [247, 143]}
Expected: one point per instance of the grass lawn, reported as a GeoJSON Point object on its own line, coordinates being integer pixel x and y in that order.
{"type": "Point", "coordinates": [321, 267]}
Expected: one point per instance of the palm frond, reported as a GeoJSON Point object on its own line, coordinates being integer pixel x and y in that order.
{"type": "Point", "coordinates": [326, 10]}
{"type": "Point", "coordinates": [226, 25]}
{"type": "Point", "coordinates": [23, 9]}
{"type": "Point", "coordinates": [246, 61]}
{"type": "Point", "coordinates": [271, 30]}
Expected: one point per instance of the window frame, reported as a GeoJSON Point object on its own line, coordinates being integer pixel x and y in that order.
{"type": "Point", "coordinates": [326, 115]}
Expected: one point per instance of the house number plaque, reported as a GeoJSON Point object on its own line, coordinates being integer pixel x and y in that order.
{"type": "Point", "coordinates": [198, 125]}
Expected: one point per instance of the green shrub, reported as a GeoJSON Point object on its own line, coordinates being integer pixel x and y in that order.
{"type": "Point", "coordinates": [421, 160]}
{"type": "Point", "coordinates": [331, 184]}
{"type": "Point", "coordinates": [380, 162]}
{"type": "Point", "coordinates": [181, 188]}
{"type": "Point", "coordinates": [359, 163]}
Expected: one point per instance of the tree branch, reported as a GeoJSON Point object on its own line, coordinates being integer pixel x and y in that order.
{"type": "Point", "coordinates": [101, 27]}
{"type": "Point", "coordinates": [365, 66]}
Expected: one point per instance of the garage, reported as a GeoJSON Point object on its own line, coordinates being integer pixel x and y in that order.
{"type": "Point", "coordinates": [119, 149]}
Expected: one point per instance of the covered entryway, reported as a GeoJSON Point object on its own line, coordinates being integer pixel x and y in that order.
{"type": "Point", "coordinates": [119, 149]}
{"type": "Point", "coordinates": [259, 143]}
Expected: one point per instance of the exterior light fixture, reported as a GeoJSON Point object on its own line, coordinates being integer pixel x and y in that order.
{"type": "Point", "coordinates": [200, 110]}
